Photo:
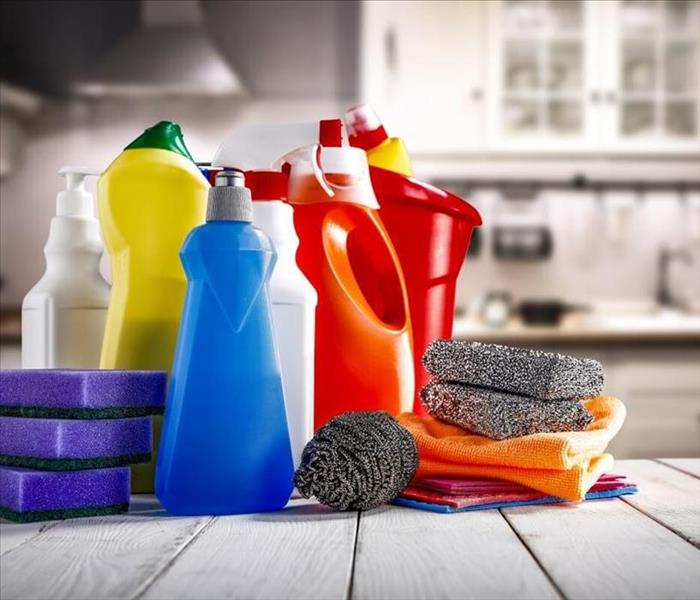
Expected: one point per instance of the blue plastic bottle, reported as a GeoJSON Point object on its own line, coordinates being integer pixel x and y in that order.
{"type": "Point", "coordinates": [225, 444]}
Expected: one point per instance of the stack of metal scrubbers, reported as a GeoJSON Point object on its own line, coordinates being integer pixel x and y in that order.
{"type": "Point", "coordinates": [503, 392]}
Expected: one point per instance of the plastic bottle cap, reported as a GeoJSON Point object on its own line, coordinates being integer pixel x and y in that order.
{"type": "Point", "coordinates": [165, 135]}
{"type": "Point", "coordinates": [365, 130]}
{"type": "Point", "coordinates": [229, 199]}
{"type": "Point", "coordinates": [341, 175]}
{"type": "Point", "coordinates": [75, 200]}
{"type": "Point", "coordinates": [267, 185]}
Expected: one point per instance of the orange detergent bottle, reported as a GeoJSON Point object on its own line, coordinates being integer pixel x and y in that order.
{"type": "Point", "coordinates": [363, 332]}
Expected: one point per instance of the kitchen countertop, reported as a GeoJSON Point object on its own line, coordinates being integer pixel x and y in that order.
{"type": "Point", "coordinates": [10, 324]}
{"type": "Point", "coordinates": [641, 546]}
{"type": "Point", "coordinates": [663, 327]}
{"type": "Point", "coordinates": [636, 323]}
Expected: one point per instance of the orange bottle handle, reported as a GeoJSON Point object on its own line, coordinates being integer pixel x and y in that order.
{"type": "Point", "coordinates": [335, 232]}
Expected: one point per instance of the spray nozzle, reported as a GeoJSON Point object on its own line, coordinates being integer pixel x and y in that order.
{"type": "Point", "coordinates": [75, 200]}
{"type": "Point", "coordinates": [318, 172]}
{"type": "Point", "coordinates": [75, 176]}
{"type": "Point", "coordinates": [308, 155]}
{"type": "Point", "coordinates": [341, 174]}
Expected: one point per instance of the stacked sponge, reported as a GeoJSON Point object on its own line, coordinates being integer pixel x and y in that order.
{"type": "Point", "coordinates": [503, 392]}
{"type": "Point", "coordinates": [67, 439]}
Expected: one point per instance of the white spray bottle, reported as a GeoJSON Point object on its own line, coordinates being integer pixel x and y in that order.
{"type": "Point", "coordinates": [293, 298]}
{"type": "Point", "coordinates": [293, 301]}
{"type": "Point", "coordinates": [63, 315]}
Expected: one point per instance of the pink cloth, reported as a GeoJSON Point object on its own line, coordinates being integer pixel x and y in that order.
{"type": "Point", "coordinates": [463, 486]}
{"type": "Point", "coordinates": [461, 493]}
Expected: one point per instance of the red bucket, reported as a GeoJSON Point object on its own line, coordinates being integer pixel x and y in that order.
{"type": "Point", "coordinates": [430, 229]}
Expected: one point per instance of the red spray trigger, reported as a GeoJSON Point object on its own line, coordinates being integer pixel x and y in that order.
{"type": "Point", "coordinates": [330, 132]}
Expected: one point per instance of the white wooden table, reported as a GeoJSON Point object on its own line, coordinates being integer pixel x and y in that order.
{"type": "Point", "coordinates": [643, 546]}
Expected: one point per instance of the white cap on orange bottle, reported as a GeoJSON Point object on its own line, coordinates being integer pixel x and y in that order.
{"type": "Point", "coordinates": [341, 172]}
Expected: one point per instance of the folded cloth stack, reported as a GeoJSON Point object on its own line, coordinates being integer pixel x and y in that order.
{"type": "Point", "coordinates": [524, 416]}
{"type": "Point", "coordinates": [448, 495]}
{"type": "Point", "coordinates": [67, 439]}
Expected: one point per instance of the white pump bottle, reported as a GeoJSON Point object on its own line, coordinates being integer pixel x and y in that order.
{"type": "Point", "coordinates": [63, 315]}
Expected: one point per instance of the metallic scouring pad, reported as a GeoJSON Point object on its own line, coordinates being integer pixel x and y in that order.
{"type": "Point", "coordinates": [357, 461]}
{"type": "Point", "coordinates": [543, 375]}
{"type": "Point", "coordinates": [500, 415]}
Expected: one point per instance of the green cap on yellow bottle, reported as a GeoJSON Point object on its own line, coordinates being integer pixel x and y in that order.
{"type": "Point", "coordinates": [165, 135]}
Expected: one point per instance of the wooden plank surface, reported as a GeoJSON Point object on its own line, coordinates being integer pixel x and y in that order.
{"type": "Point", "coordinates": [634, 548]}
{"type": "Point", "coordinates": [607, 549]}
{"type": "Point", "coordinates": [15, 534]}
{"type": "Point", "coordinates": [304, 551]}
{"type": "Point", "coordinates": [687, 465]}
{"type": "Point", "coordinates": [667, 495]}
{"type": "Point", "coordinates": [404, 554]}
{"type": "Point", "coordinates": [107, 557]}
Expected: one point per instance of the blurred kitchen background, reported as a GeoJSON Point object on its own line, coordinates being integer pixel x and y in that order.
{"type": "Point", "coordinates": [573, 126]}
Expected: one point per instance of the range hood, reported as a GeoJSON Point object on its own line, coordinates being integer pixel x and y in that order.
{"type": "Point", "coordinates": [17, 107]}
{"type": "Point", "coordinates": [170, 54]}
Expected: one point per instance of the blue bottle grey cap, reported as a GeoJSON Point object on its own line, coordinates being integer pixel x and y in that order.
{"type": "Point", "coordinates": [229, 199]}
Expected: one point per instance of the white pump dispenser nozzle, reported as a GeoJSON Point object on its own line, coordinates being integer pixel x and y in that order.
{"type": "Point", "coordinates": [75, 200]}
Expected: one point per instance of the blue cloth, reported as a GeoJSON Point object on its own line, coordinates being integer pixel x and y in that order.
{"type": "Point", "coordinates": [442, 508]}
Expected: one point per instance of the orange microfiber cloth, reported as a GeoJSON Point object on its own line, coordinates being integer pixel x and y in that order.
{"type": "Point", "coordinates": [563, 464]}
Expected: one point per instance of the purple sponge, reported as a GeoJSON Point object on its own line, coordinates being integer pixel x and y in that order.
{"type": "Point", "coordinates": [95, 394]}
{"type": "Point", "coordinates": [67, 444]}
{"type": "Point", "coordinates": [27, 495]}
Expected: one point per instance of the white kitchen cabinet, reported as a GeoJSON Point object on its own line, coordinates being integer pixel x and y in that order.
{"type": "Point", "coordinates": [422, 68]}
{"type": "Point", "coordinates": [541, 74]}
{"type": "Point", "coordinates": [652, 90]}
{"type": "Point", "coordinates": [571, 75]}
{"type": "Point", "coordinates": [536, 76]}
{"type": "Point", "coordinates": [661, 390]}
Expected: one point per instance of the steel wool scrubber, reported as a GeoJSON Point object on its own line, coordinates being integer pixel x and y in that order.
{"type": "Point", "coordinates": [500, 415]}
{"type": "Point", "coordinates": [543, 375]}
{"type": "Point", "coordinates": [357, 461]}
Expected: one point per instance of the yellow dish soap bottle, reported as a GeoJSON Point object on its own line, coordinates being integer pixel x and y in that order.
{"type": "Point", "coordinates": [149, 199]}
{"type": "Point", "coordinates": [367, 132]}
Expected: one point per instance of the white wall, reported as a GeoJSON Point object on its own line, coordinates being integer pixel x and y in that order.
{"type": "Point", "coordinates": [589, 265]}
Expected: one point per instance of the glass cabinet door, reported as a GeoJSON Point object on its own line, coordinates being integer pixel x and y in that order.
{"type": "Point", "coordinates": [541, 70]}
{"type": "Point", "coordinates": [659, 51]}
